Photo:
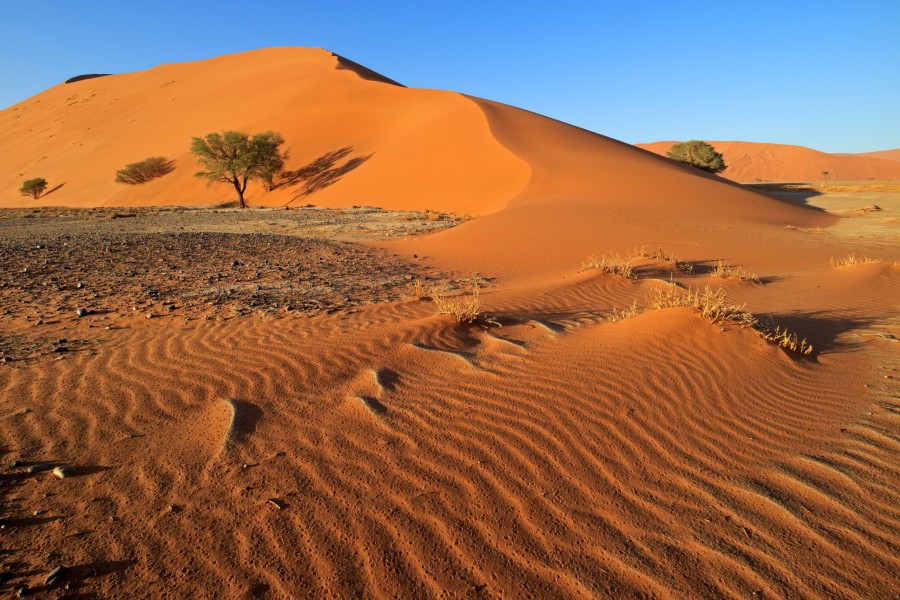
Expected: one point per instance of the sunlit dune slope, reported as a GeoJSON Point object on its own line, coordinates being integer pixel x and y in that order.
{"type": "Point", "coordinates": [589, 193]}
{"type": "Point", "coordinates": [888, 154]}
{"type": "Point", "coordinates": [748, 162]}
{"type": "Point", "coordinates": [410, 147]}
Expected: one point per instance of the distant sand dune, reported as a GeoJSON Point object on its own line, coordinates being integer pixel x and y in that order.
{"type": "Point", "coordinates": [749, 162]}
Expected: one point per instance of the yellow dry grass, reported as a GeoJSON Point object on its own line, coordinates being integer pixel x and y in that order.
{"type": "Point", "coordinates": [713, 306]}
{"type": "Point", "coordinates": [464, 307]}
{"type": "Point", "coordinates": [726, 271]}
{"type": "Point", "coordinates": [852, 261]}
{"type": "Point", "coordinates": [614, 265]}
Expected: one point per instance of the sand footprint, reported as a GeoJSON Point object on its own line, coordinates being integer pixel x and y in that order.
{"type": "Point", "coordinates": [370, 388]}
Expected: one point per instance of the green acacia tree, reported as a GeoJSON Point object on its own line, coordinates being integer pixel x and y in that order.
{"type": "Point", "coordinates": [698, 154]}
{"type": "Point", "coordinates": [236, 158]}
{"type": "Point", "coordinates": [33, 187]}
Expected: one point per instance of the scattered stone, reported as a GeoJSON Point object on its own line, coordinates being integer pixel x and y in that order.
{"type": "Point", "coordinates": [62, 471]}
{"type": "Point", "coordinates": [82, 312]}
{"type": "Point", "coordinates": [174, 508]}
{"type": "Point", "coordinates": [22, 591]}
{"type": "Point", "coordinates": [16, 463]}
{"type": "Point", "coordinates": [276, 503]}
{"type": "Point", "coordinates": [149, 315]}
{"type": "Point", "coordinates": [79, 285]}
{"type": "Point", "coordinates": [61, 349]}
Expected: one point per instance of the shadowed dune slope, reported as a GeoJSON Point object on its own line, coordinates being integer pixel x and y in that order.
{"type": "Point", "coordinates": [410, 147]}
{"type": "Point", "coordinates": [750, 161]}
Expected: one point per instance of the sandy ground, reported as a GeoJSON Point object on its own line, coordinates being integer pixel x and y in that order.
{"type": "Point", "coordinates": [363, 445]}
{"type": "Point", "coordinates": [381, 450]}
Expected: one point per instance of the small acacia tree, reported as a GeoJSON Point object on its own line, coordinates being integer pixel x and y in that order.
{"type": "Point", "coordinates": [698, 154]}
{"type": "Point", "coordinates": [146, 170]}
{"type": "Point", "coordinates": [34, 187]}
{"type": "Point", "coordinates": [236, 158]}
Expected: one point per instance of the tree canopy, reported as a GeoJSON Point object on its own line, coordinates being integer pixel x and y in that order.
{"type": "Point", "coordinates": [698, 154]}
{"type": "Point", "coordinates": [33, 187]}
{"type": "Point", "coordinates": [236, 158]}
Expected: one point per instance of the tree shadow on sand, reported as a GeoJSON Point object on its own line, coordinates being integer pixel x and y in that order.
{"type": "Point", "coordinates": [324, 171]}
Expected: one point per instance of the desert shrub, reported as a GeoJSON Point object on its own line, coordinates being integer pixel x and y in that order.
{"type": "Point", "coordinates": [464, 308]}
{"type": "Point", "coordinates": [698, 154]}
{"type": "Point", "coordinates": [145, 170]}
{"type": "Point", "coordinates": [726, 271]}
{"type": "Point", "coordinates": [614, 265]}
{"type": "Point", "coordinates": [33, 187]}
{"type": "Point", "coordinates": [852, 261]}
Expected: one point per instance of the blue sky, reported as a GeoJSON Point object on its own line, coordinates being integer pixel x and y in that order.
{"type": "Point", "coordinates": [820, 74]}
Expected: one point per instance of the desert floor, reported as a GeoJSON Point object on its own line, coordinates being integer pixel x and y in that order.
{"type": "Point", "coordinates": [254, 404]}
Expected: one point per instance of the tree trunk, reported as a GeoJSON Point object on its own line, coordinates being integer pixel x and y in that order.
{"type": "Point", "coordinates": [240, 192]}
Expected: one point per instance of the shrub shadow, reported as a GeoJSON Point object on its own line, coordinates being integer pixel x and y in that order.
{"type": "Point", "coordinates": [821, 329]}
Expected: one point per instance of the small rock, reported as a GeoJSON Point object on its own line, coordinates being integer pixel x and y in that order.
{"type": "Point", "coordinates": [79, 285]}
{"type": "Point", "coordinates": [149, 315]}
{"type": "Point", "coordinates": [40, 467]}
{"type": "Point", "coordinates": [16, 463]}
{"type": "Point", "coordinates": [82, 312]}
{"type": "Point", "coordinates": [60, 349]}
{"type": "Point", "coordinates": [62, 472]}
{"type": "Point", "coordinates": [22, 591]}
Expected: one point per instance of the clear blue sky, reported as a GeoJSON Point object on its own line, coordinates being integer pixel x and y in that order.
{"type": "Point", "coordinates": [822, 74]}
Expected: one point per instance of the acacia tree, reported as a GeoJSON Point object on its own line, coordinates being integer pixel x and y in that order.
{"type": "Point", "coordinates": [698, 154]}
{"type": "Point", "coordinates": [236, 158]}
{"type": "Point", "coordinates": [33, 187]}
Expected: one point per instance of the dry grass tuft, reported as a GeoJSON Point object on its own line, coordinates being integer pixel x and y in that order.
{"type": "Point", "coordinates": [726, 271]}
{"type": "Point", "coordinates": [785, 339]}
{"type": "Point", "coordinates": [626, 313]}
{"type": "Point", "coordinates": [418, 290]}
{"type": "Point", "coordinates": [614, 265]}
{"type": "Point", "coordinates": [713, 305]}
{"type": "Point", "coordinates": [464, 308]}
{"type": "Point", "coordinates": [660, 254]}
{"type": "Point", "coordinates": [852, 261]}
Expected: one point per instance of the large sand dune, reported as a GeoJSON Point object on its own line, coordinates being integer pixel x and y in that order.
{"type": "Point", "coordinates": [381, 450]}
{"type": "Point", "coordinates": [750, 162]}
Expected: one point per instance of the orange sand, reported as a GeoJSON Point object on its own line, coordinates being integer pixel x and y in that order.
{"type": "Point", "coordinates": [749, 162]}
{"type": "Point", "coordinates": [556, 456]}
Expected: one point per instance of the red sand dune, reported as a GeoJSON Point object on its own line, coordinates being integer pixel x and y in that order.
{"type": "Point", "coordinates": [888, 154]}
{"type": "Point", "coordinates": [557, 456]}
{"type": "Point", "coordinates": [748, 162]}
